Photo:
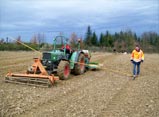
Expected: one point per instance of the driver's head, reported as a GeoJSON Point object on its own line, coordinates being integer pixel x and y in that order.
{"type": "Point", "coordinates": [79, 40]}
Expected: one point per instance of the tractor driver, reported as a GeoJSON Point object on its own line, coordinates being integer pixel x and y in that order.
{"type": "Point", "coordinates": [68, 48]}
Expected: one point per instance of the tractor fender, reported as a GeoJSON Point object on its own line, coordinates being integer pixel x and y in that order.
{"type": "Point", "coordinates": [78, 53]}
{"type": "Point", "coordinates": [74, 58]}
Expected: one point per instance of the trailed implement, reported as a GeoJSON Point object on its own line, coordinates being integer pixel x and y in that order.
{"type": "Point", "coordinates": [36, 75]}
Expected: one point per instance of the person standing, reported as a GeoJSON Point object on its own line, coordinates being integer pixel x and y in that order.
{"type": "Point", "coordinates": [137, 56]}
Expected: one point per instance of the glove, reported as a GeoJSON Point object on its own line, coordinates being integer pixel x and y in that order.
{"type": "Point", "coordinates": [142, 61]}
{"type": "Point", "coordinates": [131, 60]}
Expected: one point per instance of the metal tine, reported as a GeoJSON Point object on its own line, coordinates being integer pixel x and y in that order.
{"type": "Point", "coordinates": [29, 82]}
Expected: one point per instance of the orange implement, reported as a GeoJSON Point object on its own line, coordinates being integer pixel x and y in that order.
{"type": "Point", "coordinates": [35, 75]}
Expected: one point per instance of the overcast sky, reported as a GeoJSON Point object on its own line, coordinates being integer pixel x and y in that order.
{"type": "Point", "coordinates": [28, 17]}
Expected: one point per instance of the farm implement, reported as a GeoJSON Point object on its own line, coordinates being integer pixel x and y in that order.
{"type": "Point", "coordinates": [55, 64]}
{"type": "Point", "coordinates": [35, 75]}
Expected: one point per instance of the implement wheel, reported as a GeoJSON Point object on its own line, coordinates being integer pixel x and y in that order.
{"type": "Point", "coordinates": [80, 66]}
{"type": "Point", "coordinates": [63, 70]}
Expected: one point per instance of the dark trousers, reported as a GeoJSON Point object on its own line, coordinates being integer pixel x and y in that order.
{"type": "Point", "coordinates": [136, 68]}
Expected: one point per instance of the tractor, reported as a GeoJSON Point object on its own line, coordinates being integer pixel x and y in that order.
{"type": "Point", "coordinates": [64, 60]}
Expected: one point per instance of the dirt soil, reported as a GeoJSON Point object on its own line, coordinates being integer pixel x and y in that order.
{"type": "Point", "coordinates": [109, 92]}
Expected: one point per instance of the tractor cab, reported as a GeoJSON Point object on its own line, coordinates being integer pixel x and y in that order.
{"type": "Point", "coordinates": [61, 51]}
{"type": "Point", "coordinates": [63, 60]}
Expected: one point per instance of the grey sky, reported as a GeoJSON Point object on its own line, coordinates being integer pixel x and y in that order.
{"type": "Point", "coordinates": [27, 17]}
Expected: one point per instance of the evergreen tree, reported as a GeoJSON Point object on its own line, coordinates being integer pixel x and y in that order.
{"type": "Point", "coordinates": [94, 40]}
{"type": "Point", "coordinates": [108, 39]}
{"type": "Point", "coordinates": [88, 36]}
{"type": "Point", "coordinates": [101, 40]}
{"type": "Point", "coordinates": [135, 37]}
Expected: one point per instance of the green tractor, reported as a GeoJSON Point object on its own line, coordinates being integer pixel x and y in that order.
{"type": "Point", "coordinates": [64, 60]}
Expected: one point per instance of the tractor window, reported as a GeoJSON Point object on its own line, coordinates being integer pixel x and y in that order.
{"type": "Point", "coordinates": [61, 41]}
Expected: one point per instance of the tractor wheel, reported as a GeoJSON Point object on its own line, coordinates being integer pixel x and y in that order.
{"type": "Point", "coordinates": [80, 66]}
{"type": "Point", "coordinates": [63, 70]}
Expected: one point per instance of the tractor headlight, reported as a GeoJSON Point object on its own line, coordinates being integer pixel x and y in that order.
{"type": "Point", "coordinates": [54, 58]}
{"type": "Point", "coordinates": [49, 62]}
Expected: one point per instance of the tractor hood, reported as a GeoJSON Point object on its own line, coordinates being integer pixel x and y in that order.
{"type": "Point", "coordinates": [52, 55]}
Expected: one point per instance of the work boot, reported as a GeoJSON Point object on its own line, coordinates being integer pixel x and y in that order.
{"type": "Point", "coordinates": [134, 76]}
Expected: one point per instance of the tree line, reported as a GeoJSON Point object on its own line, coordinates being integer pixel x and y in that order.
{"type": "Point", "coordinates": [37, 41]}
{"type": "Point", "coordinates": [123, 41]}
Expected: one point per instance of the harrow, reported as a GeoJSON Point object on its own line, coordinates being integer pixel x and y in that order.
{"type": "Point", "coordinates": [36, 75]}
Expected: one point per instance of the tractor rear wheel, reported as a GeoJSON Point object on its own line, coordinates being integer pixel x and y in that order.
{"type": "Point", "coordinates": [80, 66]}
{"type": "Point", "coordinates": [63, 70]}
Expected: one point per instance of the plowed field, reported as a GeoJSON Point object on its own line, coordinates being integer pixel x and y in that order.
{"type": "Point", "coordinates": [109, 92]}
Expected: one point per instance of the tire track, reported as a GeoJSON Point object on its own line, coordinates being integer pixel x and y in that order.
{"type": "Point", "coordinates": [110, 109]}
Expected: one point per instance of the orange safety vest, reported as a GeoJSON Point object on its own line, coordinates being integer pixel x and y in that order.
{"type": "Point", "coordinates": [137, 56]}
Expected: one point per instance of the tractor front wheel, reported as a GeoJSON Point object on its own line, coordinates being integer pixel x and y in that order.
{"type": "Point", "coordinates": [63, 70]}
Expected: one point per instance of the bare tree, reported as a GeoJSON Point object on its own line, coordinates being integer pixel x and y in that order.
{"type": "Point", "coordinates": [18, 40]}
{"type": "Point", "coordinates": [123, 46]}
{"type": "Point", "coordinates": [73, 40]}
{"type": "Point", "coordinates": [40, 38]}
{"type": "Point", "coordinates": [33, 40]}
{"type": "Point", "coordinates": [2, 41]}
